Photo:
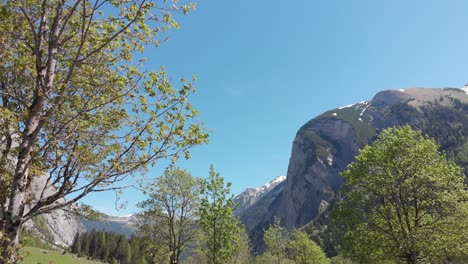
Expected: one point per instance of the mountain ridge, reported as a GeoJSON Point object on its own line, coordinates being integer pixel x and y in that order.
{"type": "Point", "coordinates": [250, 196]}
{"type": "Point", "coordinates": [124, 225]}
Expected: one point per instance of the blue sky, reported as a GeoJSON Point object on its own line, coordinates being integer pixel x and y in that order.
{"type": "Point", "coordinates": [265, 68]}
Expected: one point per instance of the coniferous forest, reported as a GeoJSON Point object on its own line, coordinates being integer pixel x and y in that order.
{"type": "Point", "coordinates": [109, 247]}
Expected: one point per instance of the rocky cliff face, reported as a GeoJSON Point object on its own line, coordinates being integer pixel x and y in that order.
{"type": "Point", "coordinates": [313, 178]}
{"type": "Point", "coordinates": [325, 145]}
{"type": "Point", "coordinates": [58, 227]}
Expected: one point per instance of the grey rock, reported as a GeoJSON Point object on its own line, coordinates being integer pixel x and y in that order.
{"type": "Point", "coordinates": [58, 227]}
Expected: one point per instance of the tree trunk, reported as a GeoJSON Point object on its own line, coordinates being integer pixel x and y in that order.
{"type": "Point", "coordinates": [9, 241]}
{"type": "Point", "coordinates": [14, 215]}
{"type": "Point", "coordinates": [413, 258]}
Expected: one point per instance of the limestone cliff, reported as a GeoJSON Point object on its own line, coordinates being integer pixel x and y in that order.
{"type": "Point", "coordinates": [58, 227]}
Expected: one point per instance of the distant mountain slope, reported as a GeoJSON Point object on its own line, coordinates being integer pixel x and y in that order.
{"type": "Point", "coordinates": [325, 145]}
{"type": "Point", "coordinates": [125, 225]}
{"type": "Point", "coordinates": [250, 196]}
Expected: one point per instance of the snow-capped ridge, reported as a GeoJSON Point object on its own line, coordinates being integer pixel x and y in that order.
{"type": "Point", "coordinates": [363, 110]}
{"type": "Point", "coordinates": [268, 186]}
{"type": "Point", "coordinates": [251, 195]}
{"type": "Point", "coordinates": [465, 88]}
{"type": "Point", "coordinates": [346, 106]}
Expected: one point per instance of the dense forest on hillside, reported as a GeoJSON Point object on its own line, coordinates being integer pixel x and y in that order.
{"type": "Point", "coordinates": [109, 247]}
{"type": "Point", "coordinates": [449, 127]}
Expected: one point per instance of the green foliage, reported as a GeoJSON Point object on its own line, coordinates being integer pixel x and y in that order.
{"type": "Point", "coordinates": [325, 232]}
{"type": "Point", "coordinates": [216, 219]}
{"type": "Point", "coordinates": [35, 255]}
{"type": "Point", "coordinates": [285, 247]}
{"type": "Point", "coordinates": [30, 239]}
{"type": "Point", "coordinates": [305, 251]}
{"type": "Point", "coordinates": [449, 127]}
{"type": "Point", "coordinates": [276, 240]}
{"type": "Point", "coordinates": [340, 260]}
{"type": "Point", "coordinates": [80, 103]}
{"type": "Point", "coordinates": [169, 214]}
{"type": "Point", "coordinates": [110, 247]}
{"type": "Point", "coordinates": [267, 258]}
{"type": "Point", "coordinates": [404, 202]}
{"type": "Point", "coordinates": [197, 256]}
{"type": "Point", "coordinates": [241, 254]}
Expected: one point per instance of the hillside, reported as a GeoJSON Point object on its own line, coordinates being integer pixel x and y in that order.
{"type": "Point", "coordinates": [32, 255]}
{"type": "Point", "coordinates": [124, 225]}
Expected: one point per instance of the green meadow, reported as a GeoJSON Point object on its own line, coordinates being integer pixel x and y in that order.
{"type": "Point", "coordinates": [33, 255]}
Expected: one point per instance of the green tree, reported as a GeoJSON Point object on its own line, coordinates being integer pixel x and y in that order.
{"type": "Point", "coordinates": [276, 240]}
{"type": "Point", "coordinates": [76, 247]}
{"type": "Point", "coordinates": [242, 254]}
{"type": "Point", "coordinates": [340, 260]}
{"type": "Point", "coordinates": [305, 251]}
{"type": "Point", "coordinates": [216, 219]}
{"type": "Point", "coordinates": [267, 258]}
{"type": "Point", "coordinates": [404, 202]}
{"type": "Point", "coordinates": [169, 213]}
{"type": "Point", "coordinates": [79, 103]}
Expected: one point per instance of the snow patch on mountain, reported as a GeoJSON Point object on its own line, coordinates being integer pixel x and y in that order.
{"type": "Point", "coordinates": [346, 106]}
{"type": "Point", "coordinates": [465, 89]}
{"type": "Point", "coordinates": [251, 195]}
{"type": "Point", "coordinates": [363, 110]}
{"type": "Point", "coordinates": [268, 186]}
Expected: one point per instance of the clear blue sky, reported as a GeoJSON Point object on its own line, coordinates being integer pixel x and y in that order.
{"type": "Point", "coordinates": [265, 68]}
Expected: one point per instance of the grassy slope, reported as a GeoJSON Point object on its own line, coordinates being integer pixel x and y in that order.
{"type": "Point", "coordinates": [33, 255]}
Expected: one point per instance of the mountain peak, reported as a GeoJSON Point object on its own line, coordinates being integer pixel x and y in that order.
{"type": "Point", "coordinates": [270, 185]}
{"type": "Point", "coordinates": [251, 195]}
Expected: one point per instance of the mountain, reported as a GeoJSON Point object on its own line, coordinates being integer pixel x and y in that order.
{"type": "Point", "coordinates": [58, 227]}
{"type": "Point", "coordinates": [250, 196]}
{"type": "Point", "coordinates": [325, 145]}
{"type": "Point", "coordinates": [124, 225]}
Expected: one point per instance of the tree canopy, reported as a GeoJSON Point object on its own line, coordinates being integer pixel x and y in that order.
{"type": "Point", "coordinates": [169, 214]}
{"type": "Point", "coordinates": [78, 103]}
{"type": "Point", "coordinates": [283, 246]}
{"type": "Point", "coordinates": [217, 221]}
{"type": "Point", "coordinates": [305, 251]}
{"type": "Point", "coordinates": [404, 203]}
{"type": "Point", "coordinates": [276, 240]}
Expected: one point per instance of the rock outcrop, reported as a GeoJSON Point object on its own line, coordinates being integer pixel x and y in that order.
{"type": "Point", "coordinates": [58, 227]}
{"type": "Point", "coordinates": [313, 179]}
